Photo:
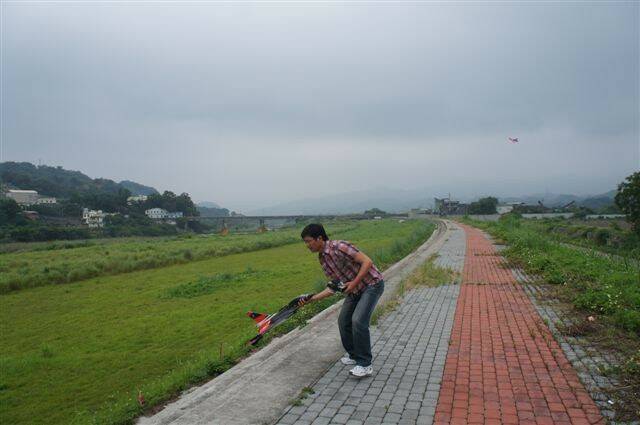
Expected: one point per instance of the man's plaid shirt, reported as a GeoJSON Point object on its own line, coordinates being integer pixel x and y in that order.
{"type": "Point", "coordinates": [338, 262]}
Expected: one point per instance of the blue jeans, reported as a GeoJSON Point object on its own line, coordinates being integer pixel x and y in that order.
{"type": "Point", "coordinates": [354, 323]}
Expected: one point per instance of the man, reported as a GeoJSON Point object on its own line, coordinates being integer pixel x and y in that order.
{"type": "Point", "coordinates": [342, 261]}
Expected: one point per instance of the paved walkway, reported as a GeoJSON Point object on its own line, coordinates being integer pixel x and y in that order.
{"type": "Point", "coordinates": [476, 353]}
{"type": "Point", "coordinates": [503, 365]}
{"type": "Point", "coordinates": [409, 350]}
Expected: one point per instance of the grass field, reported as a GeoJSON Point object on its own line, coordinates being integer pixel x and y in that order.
{"type": "Point", "coordinates": [79, 352]}
{"type": "Point", "coordinates": [57, 263]}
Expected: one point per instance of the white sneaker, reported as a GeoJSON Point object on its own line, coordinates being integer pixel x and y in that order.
{"type": "Point", "coordinates": [346, 360]}
{"type": "Point", "coordinates": [360, 371]}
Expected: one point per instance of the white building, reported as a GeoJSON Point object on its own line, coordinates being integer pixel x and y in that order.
{"type": "Point", "coordinates": [161, 214]}
{"type": "Point", "coordinates": [507, 208]}
{"type": "Point", "coordinates": [136, 198]}
{"type": "Point", "coordinates": [23, 197]}
{"type": "Point", "coordinates": [46, 200]}
{"type": "Point", "coordinates": [93, 218]}
{"type": "Point", "coordinates": [156, 213]}
{"type": "Point", "coordinates": [503, 209]}
{"type": "Point", "coordinates": [177, 214]}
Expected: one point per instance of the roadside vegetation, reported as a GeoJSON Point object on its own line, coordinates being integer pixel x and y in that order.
{"type": "Point", "coordinates": [83, 352]}
{"type": "Point", "coordinates": [609, 236]}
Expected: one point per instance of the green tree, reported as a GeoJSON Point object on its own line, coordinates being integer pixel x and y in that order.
{"type": "Point", "coordinates": [186, 205]}
{"type": "Point", "coordinates": [10, 212]}
{"type": "Point", "coordinates": [169, 200]}
{"type": "Point", "coordinates": [484, 206]}
{"type": "Point", "coordinates": [628, 199]}
{"type": "Point", "coordinates": [373, 212]}
{"type": "Point", "coordinates": [51, 210]}
{"type": "Point", "coordinates": [70, 208]}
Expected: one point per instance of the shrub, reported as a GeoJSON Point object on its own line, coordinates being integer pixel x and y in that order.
{"type": "Point", "coordinates": [628, 319]}
{"type": "Point", "coordinates": [604, 301]}
{"type": "Point", "coordinates": [602, 236]}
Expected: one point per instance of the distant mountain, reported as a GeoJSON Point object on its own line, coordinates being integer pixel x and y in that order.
{"type": "Point", "coordinates": [212, 212]}
{"type": "Point", "coordinates": [396, 200]}
{"type": "Point", "coordinates": [54, 181]}
{"type": "Point", "coordinates": [599, 201]}
{"type": "Point", "coordinates": [137, 188]}
{"type": "Point", "coordinates": [61, 183]}
{"type": "Point", "coordinates": [390, 200]}
{"type": "Point", "coordinates": [555, 200]}
{"type": "Point", "coordinates": [548, 199]}
{"type": "Point", "coordinates": [211, 209]}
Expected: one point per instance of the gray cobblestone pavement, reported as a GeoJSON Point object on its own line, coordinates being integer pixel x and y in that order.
{"type": "Point", "coordinates": [451, 255]}
{"type": "Point", "coordinates": [409, 351]}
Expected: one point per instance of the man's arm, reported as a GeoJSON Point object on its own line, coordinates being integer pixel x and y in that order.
{"type": "Point", "coordinates": [317, 297]}
{"type": "Point", "coordinates": [365, 264]}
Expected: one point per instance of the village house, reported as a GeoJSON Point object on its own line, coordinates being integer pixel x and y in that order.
{"type": "Point", "coordinates": [29, 197]}
{"type": "Point", "coordinates": [23, 197]}
{"type": "Point", "coordinates": [46, 200]}
{"type": "Point", "coordinates": [93, 218]}
{"type": "Point", "coordinates": [507, 208]}
{"type": "Point", "coordinates": [136, 198]}
{"type": "Point", "coordinates": [156, 213]}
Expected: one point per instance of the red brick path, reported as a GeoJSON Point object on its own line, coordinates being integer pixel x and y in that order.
{"type": "Point", "coordinates": [503, 365]}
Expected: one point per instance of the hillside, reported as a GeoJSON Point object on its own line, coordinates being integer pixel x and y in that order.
{"type": "Point", "coordinates": [53, 181]}
{"type": "Point", "coordinates": [137, 188]}
{"type": "Point", "coordinates": [61, 183]}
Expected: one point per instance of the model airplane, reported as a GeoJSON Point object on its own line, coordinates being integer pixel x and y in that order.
{"type": "Point", "coordinates": [266, 322]}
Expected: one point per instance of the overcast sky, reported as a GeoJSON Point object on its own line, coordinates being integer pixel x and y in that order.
{"type": "Point", "coordinates": [250, 105]}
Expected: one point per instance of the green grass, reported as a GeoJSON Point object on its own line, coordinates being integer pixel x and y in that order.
{"type": "Point", "coordinates": [613, 237]}
{"type": "Point", "coordinates": [38, 267]}
{"type": "Point", "coordinates": [79, 352]}
{"type": "Point", "coordinates": [429, 274]}
{"type": "Point", "coordinates": [303, 394]}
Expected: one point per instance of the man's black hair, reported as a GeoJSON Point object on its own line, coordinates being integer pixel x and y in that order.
{"type": "Point", "coordinates": [315, 231]}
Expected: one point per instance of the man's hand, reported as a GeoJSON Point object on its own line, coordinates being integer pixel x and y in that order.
{"type": "Point", "coordinates": [351, 287]}
{"type": "Point", "coordinates": [304, 300]}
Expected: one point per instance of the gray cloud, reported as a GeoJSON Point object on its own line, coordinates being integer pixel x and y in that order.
{"type": "Point", "coordinates": [248, 104]}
